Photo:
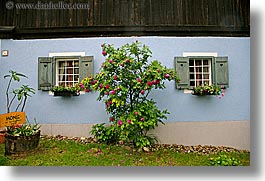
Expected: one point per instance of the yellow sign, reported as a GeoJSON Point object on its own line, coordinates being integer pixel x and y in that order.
{"type": "Point", "coordinates": [12, 118]}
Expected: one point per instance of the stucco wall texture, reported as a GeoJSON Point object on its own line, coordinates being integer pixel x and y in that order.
{"type": "Point", "coordinates": [85, 109]}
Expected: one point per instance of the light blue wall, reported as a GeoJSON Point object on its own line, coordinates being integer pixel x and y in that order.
{"type": "Point", "coordinates": [23, 57]}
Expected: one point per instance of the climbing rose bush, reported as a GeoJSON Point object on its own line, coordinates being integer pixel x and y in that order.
{"type": "Point", "coordinates": [124, 83]}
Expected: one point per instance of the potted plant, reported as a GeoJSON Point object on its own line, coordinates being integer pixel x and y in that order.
{"type": "Point", "coordinates": [206, 89]}
{"type": "Point", "coordinates": [22, 93]}
{"type": "Point", "coordinates": [65, 91]}
{"type": "Point", "coordinates": [21, 138]}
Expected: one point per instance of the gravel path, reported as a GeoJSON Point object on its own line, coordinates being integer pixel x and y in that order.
{"type": "Point", "coordinates": [205, 149]}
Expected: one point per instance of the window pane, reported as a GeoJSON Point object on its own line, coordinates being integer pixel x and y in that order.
{"type": "Point", "coordinates": [198, 69]}
{"type": "Point", "coordinates": [61, 83]}
{"type": "Point", "coordinates": [198, 76]}
{"type": "Point", "coordinates": [76, 63]}
{"type": "Point", "coordinates": [192, 76]}
{"type": "Point", "coordinates": [62, 64]}
{"type": "Point", "coordinates": [69, 63]}
{"type": "Point", "coordinates": [205, 62]}
{"type": "Point", "coordinates": [199, 83]}
{"type": "Point", "coordinates": [191, 63]}
{"type": "Point", "coordinates": [69, 78]}
{"type": "Point", "coordinates": [205, 69]}
{"type": "Point", "coordinates": [69, 84]}
{"type": "Point", "coordinates": [206, 76]}
{"type": "Point", "coordinates": [61, 78]}
{"type": "Point", "coordinates": [76, 77]}
{"type": "Point", "coordinates": [198, 62]}
{"type": "Point", "coordinates": [76, 71]}
{"type": "Point", "coordinates": [69, 71]}
{"type": "Point", "coordinates": [61, 71]}
{"type": "Point", "coordinates": [206, 82]}
{"type": "Point", "coordinates": [192, 83]}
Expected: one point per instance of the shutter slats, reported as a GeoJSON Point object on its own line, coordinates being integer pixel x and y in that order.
{"type": "Point", "coordinates": [182, 69]}
{"type": "Point", "coordinates": [221, 71]}
{"type": "Point", "coordinates": [45, 73]}
{"type": "Point", "coordinates": [86, 67]}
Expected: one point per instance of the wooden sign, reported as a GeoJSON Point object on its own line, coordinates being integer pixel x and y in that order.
{"type": "Point", "coordinates": [12, 118]}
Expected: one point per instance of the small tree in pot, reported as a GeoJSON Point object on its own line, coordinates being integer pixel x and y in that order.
{"type": "Point", "coordinates": [19, 137]}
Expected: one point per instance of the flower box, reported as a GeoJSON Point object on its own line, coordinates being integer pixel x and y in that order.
{"type": "Point", "coordinates": [65, 93]}
{"type": "Point", "coordinates": [207, 90]}
{"type": "Point", "coordinates": [203, 93]}
{"type": "Point", "coordinates": [21, 144]}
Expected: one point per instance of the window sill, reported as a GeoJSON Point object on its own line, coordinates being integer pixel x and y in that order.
{"type": "Point", "coordinates": [188, 91]}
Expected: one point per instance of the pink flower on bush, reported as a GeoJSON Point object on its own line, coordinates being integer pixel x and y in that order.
{"type": "Point", "coordinates": [100, 86]}
{"type": "Point", "coordinates": [129, 121]}
{"type": "Point", "coordinates": [142, 91]}
{"type": "Point", "coordinates": [82, 86]}
{"type": "Point", "coordinates": [107, 86]}
{"type": "Point", "coordinates": [119, 122]}
{"type": "Point", "coordinates": [110, 61]}
{"type": "Point", "coordinates": [115, 77]}
{"type": "Point", "coordinates": [167, 75]}
{"type": "Point", "coordinates": [121, 64]}
{"type": "Point", "coordinates": [128, 61]}
{"type": "Point", "coordinates": [94, 82]}
{"type": "Point", "coordinates": [142, 119]}
{"type": "Point", "coordinates": [87, 90]}
{"type": "Point", "coordinates": [112, 92]}
{"type": "Point", "coordinates": [149, 83]}
{"type": "Point", "coordinates": [135, 113]}
{"type": "Point", "coordinates": [157, 81]}
{"type": "Point", "coordinates": [111, 119]}
{"type": "Point", "coordinates": [104, 53]}
{"type": "Point", "coordinates": [109, 103]}
{"type": "Point", "coordinates": [138, 79]}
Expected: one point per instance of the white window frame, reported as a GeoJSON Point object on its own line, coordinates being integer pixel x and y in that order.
{"type": "Point", "coordinates": [200, 54]}
{"type": "Point", "coordinates": [195, 72]}
{"type": "Point", "coordinates": [58, 60]}
{"type": "Point", "coordinates": [65, 55]}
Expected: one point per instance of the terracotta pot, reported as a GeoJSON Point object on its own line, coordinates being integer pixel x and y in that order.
{"type": "Point", "coordinates": [2, 138]}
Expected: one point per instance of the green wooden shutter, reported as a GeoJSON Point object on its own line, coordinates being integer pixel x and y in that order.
{"type": "Point", "coordinates": [182, 69]}
{"type": "Point", "coordinates": [221, 71]}
{"type": "Point", "coordinates": [86, 67]}
{"type": "Point", "coordinates": [46, 71]}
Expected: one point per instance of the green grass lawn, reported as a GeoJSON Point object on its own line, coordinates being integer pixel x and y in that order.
{"type": "Point", "coordinates": [52, 152]}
